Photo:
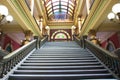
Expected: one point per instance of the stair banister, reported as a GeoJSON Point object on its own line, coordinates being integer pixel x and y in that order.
{"type": "Point", "coordinates": [10, 60]}
{"type": "Point", "coordinates": [79, 41]}
{"type": "Point", "coordinates": [42, 41]}
{"type": "Point", "coordinates": [111, 60]}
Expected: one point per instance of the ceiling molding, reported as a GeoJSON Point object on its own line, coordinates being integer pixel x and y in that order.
{"type": "Point", "coordinates": [22, 15]}
{"type": "Point", "coordinates": [11, 28]}
{"type": "Point", "coordinates": [14, 12]}
{"type": "Point", "coordinates": [97, 15]}
{"type": "Point", "coordinates": [60, 27]}
{"type": "Point", "coordinates": [78, 10]}
{"type": "Point", "coordinates": [29, 18]}
{"type": "Point", "coordinates": [60, 23]}
{"type": "Point", "coordinates": [41, 10]}
{"type": "Point", "coordinates": [109, 26]}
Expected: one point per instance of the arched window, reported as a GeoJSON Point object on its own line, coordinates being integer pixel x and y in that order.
{"type": "Point", "coordinates": [60, 36]}
{"type": "Point", "coordinates": [9, 47]}
{"type": "Point", "coordinates": [110, 46]}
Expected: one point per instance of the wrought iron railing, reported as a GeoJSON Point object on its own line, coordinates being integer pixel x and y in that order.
{"type": "Point", "coordinates": [111, 60]}
{"type": "Point", "coordinates": [79, 41]}
{"type": "Point", "coordinates": [76, 39]}
{"type": "Point", "coordinates": [11, 60]}
{"type": "Point", "coordinates": [42, 41]}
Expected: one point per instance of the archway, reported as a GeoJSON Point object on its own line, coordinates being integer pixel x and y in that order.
{"type": "Point", "coordinates": [9, 47]}
{"type": "Point", "coordinates": [60, 35]}
{"type": "Point", "coordinates": [110, 46]}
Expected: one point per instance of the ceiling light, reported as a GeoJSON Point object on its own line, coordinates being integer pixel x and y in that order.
{"type": "Point", "coordinates": [116, 9]}
{"type": "Point", "coordinates": [111, 16]}
{"type": "Point", "coordinates": [4, 13]}
{"type": "Point", "coordinates": [3, 10]}
{"type": "Point", "coordinates": [9, 18]}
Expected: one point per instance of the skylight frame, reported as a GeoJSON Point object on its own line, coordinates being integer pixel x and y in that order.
{"type": "Point", "coordinates": [66, 6]}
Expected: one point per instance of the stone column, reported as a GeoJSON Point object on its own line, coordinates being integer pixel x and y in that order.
{"type": "Point", "coordinates": [79, 24]}
{"type": "Point", "coordinates": [73, 31]}
{"type": "Point", "coordinates": [48, 31]}
{"type": "Point", "coordinates": [32, 7]}
{"type": "Point", "coordinates": [41, 25]}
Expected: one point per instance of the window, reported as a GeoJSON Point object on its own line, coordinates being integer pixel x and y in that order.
{"type": "Point", "coordinates": [59, 8]}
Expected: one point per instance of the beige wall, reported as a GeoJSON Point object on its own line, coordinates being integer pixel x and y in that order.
{"type": "Point", "coordinates": [60, 27]}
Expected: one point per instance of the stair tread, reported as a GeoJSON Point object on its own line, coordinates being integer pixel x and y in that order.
{"type": "Point", "coordinates": [39, 64]}
{"type": "Point", "coordinates": [38, 61]}
{"type": "Point", "coordinates": [62, 52]}
{"type": "Point", "coordinates": [87, 58]}
{"type": "Point", "coordinates": [61, 75]}
{"type": "Point", "coordinates": [30, 77]}
{"type": "Point", "coordinates": [60, 56]}
{"type": "Point", "coordinates": [60, 70]}
{"type": "Point", "coordinates": [54, 67]}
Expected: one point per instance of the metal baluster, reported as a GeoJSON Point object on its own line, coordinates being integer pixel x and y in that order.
{"type": "Point", "coordinates": [1, 69]}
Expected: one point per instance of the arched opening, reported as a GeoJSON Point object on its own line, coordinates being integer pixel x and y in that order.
{"type": "Point", "coordinates": [9, 48]}
{"type": "Point", "coordinates": [110, 47]}
{"type": "Point", "coordinates": [60, 35]}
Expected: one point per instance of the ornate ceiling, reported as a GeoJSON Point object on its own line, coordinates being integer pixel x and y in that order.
{"type": "Point", "coordinates": [60, 9]}
{"type": "Point", "coordinates": [27, 16]}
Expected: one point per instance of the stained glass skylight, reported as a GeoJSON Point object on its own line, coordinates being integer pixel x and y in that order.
{"type": "Point", "coordinates": [60, 9]}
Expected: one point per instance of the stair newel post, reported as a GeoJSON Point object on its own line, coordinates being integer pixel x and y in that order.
{"type": "Point", "coordinates": [80, 42]}
{"type": "Point", "coordinates": [40, 43]}
{"type": "Point", "coordinates": [37, 41]}
{"type": "Point", "coordinates": [83, 41]}
{"type": "Point", "coordinates": [2, 69]}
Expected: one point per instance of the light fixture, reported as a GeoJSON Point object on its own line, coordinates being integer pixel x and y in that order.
{"type": "Point", "coordinates": [111, 16]}
{"type": "Point", "coordinates": [4, 13]}
{"type": "Point", "coordinates": [3, 10]}
{"type": "Point", "coordinates": [115, 14]}
{"type": "Point", "coordinates": [47, 27]}
{"type": "Point", "coordinates": [116, 9]}
{"type": "Point", "coordinates": [9, 18]}
{"type": "Point", "coordinates": [73, 27]}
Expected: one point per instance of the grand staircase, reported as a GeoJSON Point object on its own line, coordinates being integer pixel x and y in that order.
{"type": "Point", "coordinates": [61, 61]}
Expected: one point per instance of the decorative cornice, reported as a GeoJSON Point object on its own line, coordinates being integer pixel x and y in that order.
{"type": "Point", "coordinates": [25, 15]}
{"type": "Point", "coordinates": [97, 15]}
{"type": "Point", "coordinates": [41, 10]}
{"type": "Point", "coordinates": [78, 11]}
{"type": "Point", "coordinates": [60, 23]}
